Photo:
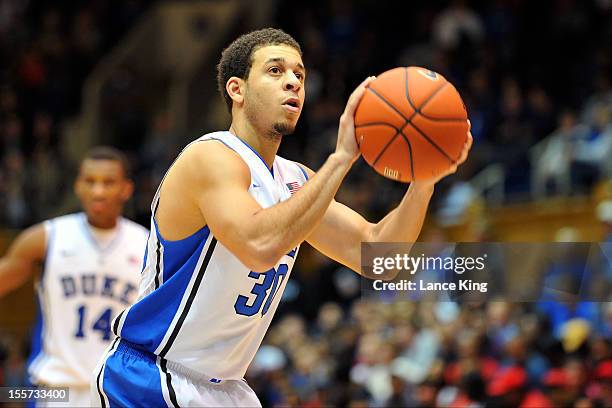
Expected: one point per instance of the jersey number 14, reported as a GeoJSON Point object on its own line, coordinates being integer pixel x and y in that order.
{"type": "Point", "coordinates": [102, 323]}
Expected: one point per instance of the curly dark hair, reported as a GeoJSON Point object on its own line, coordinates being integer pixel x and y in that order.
{"type": "Point", "coordinates": [237, 58]}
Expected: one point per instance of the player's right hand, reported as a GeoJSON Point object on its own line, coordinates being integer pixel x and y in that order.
{"type": "Point", "coordinates": [346, 145]}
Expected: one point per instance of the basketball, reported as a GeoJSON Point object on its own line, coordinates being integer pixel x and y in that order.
{"type": "Point", "coordinates": [411, 124]}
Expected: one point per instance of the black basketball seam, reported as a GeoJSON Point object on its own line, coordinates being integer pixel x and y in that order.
{"type": "Point", "coordinates": [373, 124]}
{"type": "Point", "coordinates": [409, 153]}
{"type": "Point", "coordinates": [430, 97]}
{"type": "Point", "coordinates": [419, 109]}
{"type": "Point", "coordinates": [442, 119]}
{"type": "Point", "coordinates": [408, 95]}
{"type": "Point", "coordinates": [387, 103]}
{"type": "Point", "coordinates": [434, 144]}
{"type": "Point", "coordinates": [384, 149]}
{"type": "Point", "coordinates": [377, 124]}
{"type": "Point", "coordinates": [409, 121]}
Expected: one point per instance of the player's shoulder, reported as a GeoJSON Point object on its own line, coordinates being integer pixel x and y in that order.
{"type": "Point", "coordinates": [64, 221]}
{"type": "Point", "coordinates": [134, 228]}
{"type": "Point", "coordinates": [210, 156]}
{"type": "Point", "coordinates": [72, 217]}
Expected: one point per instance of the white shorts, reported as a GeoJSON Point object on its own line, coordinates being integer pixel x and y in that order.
{"type": "Point", "coordinates": [129, 377]}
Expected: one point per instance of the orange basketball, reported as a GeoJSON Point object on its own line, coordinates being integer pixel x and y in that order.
{"type": "Point", "coordinates": [411, 124]}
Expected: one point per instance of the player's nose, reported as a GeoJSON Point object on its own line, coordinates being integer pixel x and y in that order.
{"type": "Point", "coordinates": [98, 190]}
{"type": "Point", "coordinates": [292, 82]}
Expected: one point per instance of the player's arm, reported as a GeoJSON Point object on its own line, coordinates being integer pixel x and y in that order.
{"type": "Point", "coordinates": [22, 257]}
{"type": "Point", "coordinates": [219, 181]}
{"type": "Point", "coordinates": [342, 230]}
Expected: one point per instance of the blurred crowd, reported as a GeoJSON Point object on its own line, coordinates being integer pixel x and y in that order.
{"type": "Point", "coordinates": [438, 354]}
{"type": "Point", "coordinates": [535, 77]}
{"type": "Point", "coordinates": [46, 52]}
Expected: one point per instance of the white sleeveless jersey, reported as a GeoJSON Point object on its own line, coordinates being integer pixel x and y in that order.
{"type": "Point", "coordinates": [199, 306]}
{"type": "Point", "coordinates": [82, 288]}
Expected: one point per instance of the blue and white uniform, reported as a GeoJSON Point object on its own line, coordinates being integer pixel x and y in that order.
{"type": "Point", "coordinates": [201, 314]}
{"type": "Point", "coordinates": [83, 286]}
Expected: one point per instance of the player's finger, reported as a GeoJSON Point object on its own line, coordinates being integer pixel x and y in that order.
{"type": "Point", "coordinates": [356, 96]}
{"type": "Point", "coordinates": [469, 125]}
{"type": "Point", "coordinates": [358, 92]}
{"type": "Point", "coordinates": [466, 149]}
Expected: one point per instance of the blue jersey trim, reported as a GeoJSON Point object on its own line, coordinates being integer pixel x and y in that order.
{"type": "Point", "coordinates": [37, 340]}
{"type": "Point", "coordinates": [144, 259]}
{"type": "Point", "coordinates": [261, 158]}
{"type": "Point", "coordinates": [303, 171]}
{"type": "Point", "coordinates": [180, 250]}
{"type": "Point", "coordinates": [148, 320]}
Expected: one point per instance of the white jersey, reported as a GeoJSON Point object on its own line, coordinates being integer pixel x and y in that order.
{"type": "Point", "coordinates": [82, 288]}
{"type": "Point", "coordinates": [199, 306]}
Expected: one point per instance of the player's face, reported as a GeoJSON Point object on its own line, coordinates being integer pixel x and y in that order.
{"type": "Point", "coordinates": [274, 94]}
{"type": "Point", "coordinates": [102, 189]}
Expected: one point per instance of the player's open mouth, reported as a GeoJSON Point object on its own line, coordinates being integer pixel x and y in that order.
{"type": "Point", "coordinates": [292, 105]}
{"type": "Point", "coordinates": [98, 205]}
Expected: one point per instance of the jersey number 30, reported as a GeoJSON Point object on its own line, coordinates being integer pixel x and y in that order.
{"type": "Point", "coordinates": [273, 278]}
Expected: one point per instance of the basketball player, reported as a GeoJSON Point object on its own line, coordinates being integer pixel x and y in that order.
{"type": "Point", "coordinates": [91, 268]}
{"type": "Point", "coordinates": [227, 222]}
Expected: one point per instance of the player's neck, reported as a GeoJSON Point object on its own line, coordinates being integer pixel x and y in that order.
{"type": "Point", "coordinates": [102, 224]}
{"type": "Point", "coordinates": [265, 145]}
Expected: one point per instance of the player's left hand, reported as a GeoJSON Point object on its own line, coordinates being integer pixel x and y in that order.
{"type": "Point", "coordinates": [462, 157]}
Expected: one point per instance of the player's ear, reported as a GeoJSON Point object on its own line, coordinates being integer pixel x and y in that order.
{"type": "Point", "coordinates": [76, 187]}
{"type": "Point", "coordinates": [235, 89]}
{"type": "Point", "coordinates": [128, 190]}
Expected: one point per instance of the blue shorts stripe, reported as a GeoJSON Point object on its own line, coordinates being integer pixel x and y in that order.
{"type": "Point", "coordinates": [131, 380]}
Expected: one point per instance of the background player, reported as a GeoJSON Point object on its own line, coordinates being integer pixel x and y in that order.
{"type": "Point", "coordinates": [91, 264]}
{"type": "Point", "coordinates": [227, 210]}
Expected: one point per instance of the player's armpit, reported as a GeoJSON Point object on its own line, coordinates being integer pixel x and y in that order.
{"type": "Point", "coordinates": [219, 185]}
{"type": "Point", "coordinates": [19, 262]}
{"type": "Point", "coordinates": [340, 233]}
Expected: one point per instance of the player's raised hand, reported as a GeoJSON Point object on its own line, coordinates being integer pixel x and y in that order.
{"type": "Point", "coordinates": [346, 144]}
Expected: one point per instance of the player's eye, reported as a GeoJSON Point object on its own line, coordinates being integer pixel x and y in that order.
{"type": "Point", "coordinates": [275, 70]}
{"type": "Point", "coordinates": [299, 76]}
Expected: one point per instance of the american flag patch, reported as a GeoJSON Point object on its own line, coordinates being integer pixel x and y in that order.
{"type": "Point", "coordinates": [293, 186]}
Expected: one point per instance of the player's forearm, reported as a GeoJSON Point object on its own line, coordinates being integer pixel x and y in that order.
{"type": "Point", "coordinates": [282, 227]}
{"type": "Point", "coordinates": [13, 274]}
{"type": "Point", "coordinates": [404, 223]}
